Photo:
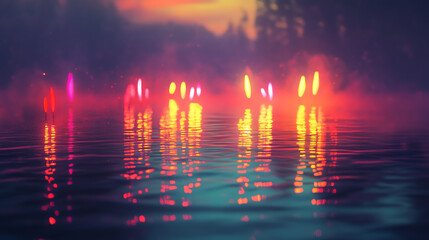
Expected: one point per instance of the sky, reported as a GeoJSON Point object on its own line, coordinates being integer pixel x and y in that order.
{"type": "Point", "coordinates": [380, 44]}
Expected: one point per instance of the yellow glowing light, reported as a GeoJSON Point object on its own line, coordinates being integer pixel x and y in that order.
{"type": "Point", "coordinates": [301, 88]}
{"type": "Point", "coordinates": [183, 90]}
{"type": "Point", "coordinates": [247, 87]}
{"type": "Point", "coordinates": [316, 83]}
{"type": "Point", "coordinates": [172, 88]}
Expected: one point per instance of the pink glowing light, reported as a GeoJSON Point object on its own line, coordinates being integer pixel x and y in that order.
{"type": "Point", "coordinates": [146, 93]}
{"type": "Point", "coordinates": [198, 89]}
{"type": "Point", "coordinates": [264, 94]}
{"type": "Point", "coordinates": [139, 89]}
{"type": "Point", "coordinates": [192, 93]}
{"type": "Point", "coordinates": [70, 87]}
{"type": "Point", "coordinates": [129, 93]}
{"type": "Point", "coordinates": [270, 91]}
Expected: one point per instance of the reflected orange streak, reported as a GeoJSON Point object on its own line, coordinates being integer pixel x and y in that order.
{"type": "Point", "coordinates": [244, 141]}
{"type": "Point", "coordinates": [194, 129]}
{"type": "Point", "coordinates": [50, 161]}
{"type": "Point", "coordinates": [301, 131]}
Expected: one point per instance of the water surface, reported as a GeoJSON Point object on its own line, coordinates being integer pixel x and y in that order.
{"type": "Point", "coordinates": [184, 173]}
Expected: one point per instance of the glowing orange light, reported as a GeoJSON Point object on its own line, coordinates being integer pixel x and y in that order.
{"type": "Point", "coordinates": [316, 83]}
{"type": "Point", "coordinates": [172, 88]}
{"type": "Point", "coordinates": [301, 88]}
{"type": "Point", "coordinates": [247, 87]}
{"type": "Point", "coordinates": [270, 91]}
{"type": "Point", "coordinates": [264, 94]}
{"type": "Point", "coordinates": [139, 89]}
{"type": "Point", "coordinates": [191, 93]}
{"type": "Point", "coordinates": [52, 99]}
{"type": "Point", "coordinates": [45, 104]}
{"type": "Point", "coordinates": [198, 89]}
{"type": "Point", "coordinates": [183, 90]}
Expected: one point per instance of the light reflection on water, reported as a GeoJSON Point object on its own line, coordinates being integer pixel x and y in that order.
{"type": "Point", "coordinates": [185, 173]}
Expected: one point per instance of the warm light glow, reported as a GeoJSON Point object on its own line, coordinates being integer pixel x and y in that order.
{"type": "Point", "coordinates": [301, 88]}
{"type": "Point", "coordinates": [52, 99]}
{"type": "Point", "coordinates": [70, 87]}
{"type": "Point", "coordinates": [301, 136]}
{"type": "Point", "coordinates": [247, 87]}
{"type": "Point", "coordinates": [50, 163]}
{"type": "Point", "coordinates": [146, 93]}
{"type": "Point", "coordinates": [198, 90]}
{"type": "Point", "coordinates": [217, 16]}
{"type": "Point", "coordinates": [139, 89]}
{"type": "Point", "coordinates": [270, 91]}
{"type": "Point", "coordinates": [191, 93]}
{"type": "Point", "coordinates": [172, 88]}
{"type": "Point", "coordinates": [183, 90]}
{"type": "Point", "coordinates": [45, 104]}
{"type": "Point", "coordinates": [316, 83]}
{"type": "Point", "coordinates": [264, 94]}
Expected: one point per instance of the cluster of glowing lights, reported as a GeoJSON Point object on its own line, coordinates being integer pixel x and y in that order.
{"type": "Point", "coordinates": [302, 85]}
{"type": "Point", "coordinates": [192, 91]}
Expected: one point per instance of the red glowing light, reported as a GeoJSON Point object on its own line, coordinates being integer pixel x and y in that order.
{"type": "Point", "coordinates": [45, 104]}
{"type": "Point", "coordinates": [192, 93]}
{"type": "Point", "coordinates": [70, 87]}
{"type": "Point", "coordinates": [52, 99]}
